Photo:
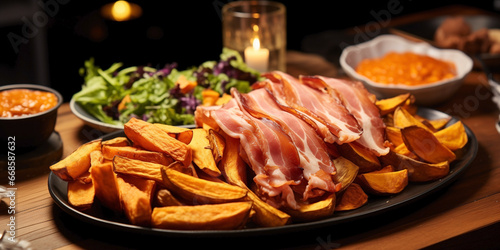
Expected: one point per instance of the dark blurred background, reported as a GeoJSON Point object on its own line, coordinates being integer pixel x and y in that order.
{"type": "Point", "coordinates": [47, 41]}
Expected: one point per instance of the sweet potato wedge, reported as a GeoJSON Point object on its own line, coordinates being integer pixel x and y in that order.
{"type": "Point", "coordinates": [387, 183]}
{"type": "Point", "coordinates": [346, 171]}
{"type": "Point", "coordinates": [106, 186]}
{"type": "Point", "coordinates": [109, 152]}
{"type": "Point", "coordinates": [181, 134]}
{"type": "Point", "coordinates": [119, 141]}
{"type": "Point", "coordinates": [77, 163]}
{"type": "Point", "coordinates": [403, 118]}
{"type": "Point", "coordinates": [202, 152]}
{"type": "Point", "coordinates": [425, 145]}
{"type": "Point", "coordinates": [135, 195]}
{"type": "Point", "coordinates": [81, 194]}
{"type": "Point", "coordinates": [388, 105]}
{"type": "Point", "coordinates": [453, 137]}
{"type": "Point", "coordinates": [418, 171]}
{"type": "Point", "coordinates": [351, 198]}
{"type": "Point", "coordinates": [200, 191]}
{"type": "Point", "coordinates": [138, 168]}
{"type": "Point", "coordinates": [363, 158]}
{"type": "Point", "coordinates": [217, 143]}
{"type": "Point", "coordinates": [394, 135]}
{"type": "Point", "coordinates": [234, 171]}
{"type": "Point", "coordinates": [224, 216]}
{"type": "Point", "coordinates": [314, 211]}
{"type": "Point", "coordinates": [165, 198]}
{"type": "Point", "coordinates": [154, 138]}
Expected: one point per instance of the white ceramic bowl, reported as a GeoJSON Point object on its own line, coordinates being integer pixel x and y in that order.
{"type": "Point", "coordinates": [426, 95]}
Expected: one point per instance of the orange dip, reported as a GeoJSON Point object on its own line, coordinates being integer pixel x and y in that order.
{"type": "Point", "coordinates": [406, 68]}
{"type": "Point", "coordinates": [21, 102]}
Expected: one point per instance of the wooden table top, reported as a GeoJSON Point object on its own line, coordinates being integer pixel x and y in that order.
{"type": "Point", "coordinates": [464, 214]}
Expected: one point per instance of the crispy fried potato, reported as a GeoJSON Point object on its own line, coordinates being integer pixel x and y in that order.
{"type": "Point", "coordinates": [346, 171]}
{"type": "Point", "coordinates": [314, 211]}
{"type": "Point", "coordinates": [200, 191]}
{"type": "Point", "coordinates": [425, 145]}
{"type": "Point", "coordinates": [234, 171]}
{"type": "Point", "coordinates": [154, 138]}
{"type": "Point", "coordinates": [135, 194]}
{"type": "Point", "coordinates": [388, 105]}
{"type": "Point", "coordinates": [77, 163]}
{"type": "Point", "coordinates": [363, 158]}
{"type": "Point", "coordinates": [165, 198]}
{"type": "Point", "coordinates": [418, 171]}
{"type": "Point", "coordinates": [106, 186]}
{"type": "Point", "coordinates": [81, 194]}
{"type": "Point", "coordinates": [387, 183]}
{"type": "Point", "coordinates": [439, 124]}
{"type": "Point", "coordinates": [453, 137]}
{"type": "Point", "coordinates": [351, 198]}
{"type": "Point", "coordinates": [232, 215]}
{"type": "Point", "coordinates": [202, 152]}
{"type": "Point", "coordinates": [109, 152]}
{"type": "Point", "coordinates": [181, 134]}
{"type": "Point", "coordinates": [217, 143]}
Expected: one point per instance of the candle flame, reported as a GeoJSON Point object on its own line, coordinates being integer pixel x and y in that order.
{"type": "Point", "coordinates": [256, 43]}
{"type": "Point", "coordinates": [121, 10]}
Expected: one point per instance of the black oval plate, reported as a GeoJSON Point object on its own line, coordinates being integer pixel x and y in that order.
{"type": "Point", "coordinates": [414, 191]}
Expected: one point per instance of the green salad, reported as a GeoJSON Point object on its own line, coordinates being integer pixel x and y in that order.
{"type": "Point", "coordinates": [167, 95]}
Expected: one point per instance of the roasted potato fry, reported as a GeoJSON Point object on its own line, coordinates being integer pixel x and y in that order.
{"type": "Point", "coordinates": [109, 152]}
{"type": "Point", "coordinates": [152, 137]}
{"type": "Point", "coordinates": [387, 183]}
{"type": "Point", "coordinates": [81, 194]}
{"type": "Point", "coordinates": [106, 186]}
{"type": "Point", "coordinates": [351, 198]}
{"type": "Point", "coordinates": [135, 195]}
{"type": "Point", "coordinates": [232, 215]}
{"type": "Point", "coordinates": [425, 145]}
{"type": "Point", "coordinates": [202, 152]}
{"type": "Point", "coordinates": [200, 191]}
{"type": "Point", "coordinates": [77, 163]}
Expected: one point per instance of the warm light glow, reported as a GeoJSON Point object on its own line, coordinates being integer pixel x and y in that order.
{"type": "Point", "coordinates": [256, 43]}
{"type": "Point", "coordinates": [121, 10]}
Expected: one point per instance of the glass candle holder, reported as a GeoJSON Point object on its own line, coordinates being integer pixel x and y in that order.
{"type": "Point", "coordinates": [257, 30]}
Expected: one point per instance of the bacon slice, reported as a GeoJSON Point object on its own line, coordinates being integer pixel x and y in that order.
{"type": "Point", "coordinates": [315, 162]}
{"type": "Point", "coordinates": [332, 120]}
{"type": "Point", "coordinates": [358, 101]}
{"type": "Point", "coordinates": [270, 152]}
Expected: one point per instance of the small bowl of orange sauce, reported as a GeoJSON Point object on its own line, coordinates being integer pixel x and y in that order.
{"type": "Point", "coordinates": [28, 114]}
{"type": "Point", "coordinates": [389, 65]}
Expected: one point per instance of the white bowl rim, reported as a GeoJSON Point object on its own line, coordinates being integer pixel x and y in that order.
{"type": "Point", "coordinates": [467, 62]}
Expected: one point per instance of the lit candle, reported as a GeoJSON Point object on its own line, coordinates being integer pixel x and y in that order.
{"type": "Point", "coordinates": [257, 57]}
